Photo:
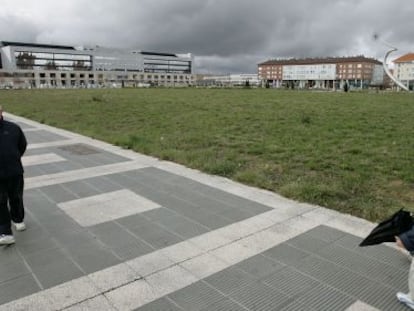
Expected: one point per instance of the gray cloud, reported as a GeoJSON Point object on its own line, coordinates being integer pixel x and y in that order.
{"type": "Point", "coordinates": [22, 29]}
{"type": "Point", "coordinates": [225, 36]}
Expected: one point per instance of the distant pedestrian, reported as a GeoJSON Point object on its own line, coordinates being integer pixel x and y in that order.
{"type": "Point", "coordinates": [346, 87]}
{"type": "Point", "coordinates": [12, 147]}
{"type": "Point", "coordinates": [406, 241]}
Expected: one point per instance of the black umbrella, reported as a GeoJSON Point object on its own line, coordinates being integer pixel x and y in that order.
{"type": "Point", "coordinates": [386, 231]}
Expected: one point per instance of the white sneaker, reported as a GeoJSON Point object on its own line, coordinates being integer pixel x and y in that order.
{"type": "Point", "coordinates": [6, 239]}
{"type": "Point", "coordinates": [405, 299]}
{"type": "Point", "coordinates": [20, 226]}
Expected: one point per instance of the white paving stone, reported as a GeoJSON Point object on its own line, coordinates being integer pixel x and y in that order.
{"type": "Point", "coordinates": [210, 240]}
{"type": "Point", "coordinates": [106, 207]}
{"type": "Point", "coordinates": [261, 241]}
{"type": "Point", "coordinates": [360, 306]}
{"type": "Point", "coordinates": [170, 280]}
{"type": "Point", "coordinates": [97, 303]}
{"type": "Point", "coordinates": [114, 277]}
{"type": "Point", "coordinates": [352, 225]}
{"type": "Point", "coordinates": [55, 143]}
{"type": "Point", "coordinates": [237, 230]}
{"type": "Point", "coordinates": [41, 159]}
{"type": "Point", "coordinates": [232, 253]}
{"type": "Point", "coordinates": [132, 295]}
{"type": "Point", "coordinates": [36, 301]}
{"type": "Point", "coordinates": [181, 251]}
{"type": "Point", "coordinates": [68, 176]}
{"type": "Point", "coordinates": [347, 223]}
{"type": "Point", "coordinates": [70, 293]}
{"type": "Point", "coordinates": [204, 265]}
{"type": "Point", "coordinates": [260, 221]}
{"type": "Point", "coordinates": [32, 129]}
{"type": "Point", "coordinates": [150, 263]}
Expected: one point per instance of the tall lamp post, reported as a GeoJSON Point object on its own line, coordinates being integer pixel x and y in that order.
{"type": "Point", "coordinates": [384, 64]}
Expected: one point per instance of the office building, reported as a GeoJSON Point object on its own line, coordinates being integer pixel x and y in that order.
{"type": "Point", "coordinates": [28, 65]}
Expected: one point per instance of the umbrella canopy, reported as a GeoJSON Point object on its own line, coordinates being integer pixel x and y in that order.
{"type": "Point", "coordinates": [386, 231]}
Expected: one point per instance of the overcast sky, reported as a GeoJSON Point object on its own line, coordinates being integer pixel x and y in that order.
{"type": "Point", "coordinates": [225, 36]}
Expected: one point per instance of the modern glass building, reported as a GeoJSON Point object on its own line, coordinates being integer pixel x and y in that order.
{"type": "Point", "coordinates": [24, 65]}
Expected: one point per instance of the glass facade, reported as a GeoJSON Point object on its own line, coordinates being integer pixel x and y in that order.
{"type": "Point", "coordinates": [52, 61]}
{"type": "Point", "coordinates": [52, 66]}
{"type": "Point", "coordinates": [166, 65]}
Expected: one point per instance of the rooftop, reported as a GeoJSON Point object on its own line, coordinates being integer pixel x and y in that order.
{"type": "Point", "coordinates": [320, 60]}
{"type": "Point", "coordinates": [405, 58]}
{"type": "Point", "coordinates": [48, 46]}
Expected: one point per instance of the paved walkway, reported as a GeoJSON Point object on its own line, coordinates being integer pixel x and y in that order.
{"type": "Point", "coordinates": [110, 229]}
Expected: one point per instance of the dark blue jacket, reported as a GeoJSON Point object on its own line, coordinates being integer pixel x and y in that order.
{"type": "Point", "coordinates": [12, 146]}
{"type": "Point", "coordinates": [407, 238]}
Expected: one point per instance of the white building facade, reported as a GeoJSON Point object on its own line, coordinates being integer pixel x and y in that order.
{"type": "Point", "coordinates": [404, 70]}
{"type": "Point", "coordinates": [26, 65]}
{"type": "Point", "coordinates": [232, 80]}
{"type": "Point", "coordinates": [303, 73]}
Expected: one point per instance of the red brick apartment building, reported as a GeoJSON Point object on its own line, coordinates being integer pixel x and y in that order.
{"type": "Point", "coordinates": [322, 73]}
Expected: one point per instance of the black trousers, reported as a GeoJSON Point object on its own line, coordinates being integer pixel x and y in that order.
{"type": "Point", "coordinates": [11, 202]}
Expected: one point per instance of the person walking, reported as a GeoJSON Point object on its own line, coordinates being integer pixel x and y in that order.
{"type": "Point", "coordinates": [406, 241]}
{"type": "Point", "coordinates": [12, 147]}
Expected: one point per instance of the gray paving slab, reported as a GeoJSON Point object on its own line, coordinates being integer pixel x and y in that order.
{"type": "Point", "coordinates": [196, 296]}
{"type": "Point", "coordinates": [18, 287]}
{"type": "Point", "coordinates": [160, 304]}
{"type": "Point", "coordinates": [41, 136]}
{"type": "Point", "coordinates": [111, 229]}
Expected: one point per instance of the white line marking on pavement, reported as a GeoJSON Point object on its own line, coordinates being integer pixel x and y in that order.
{"type": "Point", "coordinates": [105, 207]}
{"type": "Point", "coordinates": [56, 143]}
{"type": "Point", "coordinates": [42, 159]}
{"type": "Point", "coordinates": [63, 177]}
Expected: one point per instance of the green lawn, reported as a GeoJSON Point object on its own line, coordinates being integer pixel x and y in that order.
{"type": "Point", "coordinates": [352, 152]}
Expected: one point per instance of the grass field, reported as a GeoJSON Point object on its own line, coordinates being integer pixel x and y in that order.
{"type": "Point", "coordinates": [352, 152]}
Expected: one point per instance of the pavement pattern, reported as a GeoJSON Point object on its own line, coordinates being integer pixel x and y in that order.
{"type": "Point", "coordinates": [111, 229]}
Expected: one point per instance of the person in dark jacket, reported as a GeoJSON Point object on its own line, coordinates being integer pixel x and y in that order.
{"type": "Point", "coordinates": [406, 241]}
{"type": "Point", "coordinates": [12, 147]}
